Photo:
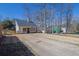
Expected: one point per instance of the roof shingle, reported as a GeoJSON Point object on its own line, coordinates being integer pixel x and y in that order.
{"type": "Point", "coordinates": [25, 23]}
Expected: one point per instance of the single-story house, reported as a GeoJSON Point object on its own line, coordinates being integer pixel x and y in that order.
{"type": "Point", "coordinates": [22, 26]}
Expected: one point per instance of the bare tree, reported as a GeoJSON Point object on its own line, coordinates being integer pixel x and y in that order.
{"type": "Point", "coordinates": [61, 15]}
{"type": "Point", "coordinates": [52, 16]}
{"type": "Point", "coordinates": [68, 17]}
{"type": "Point", "coordinates": [45, 16]}
{"type": "Point", "coordinates": [42, 15]}
{"type": "Point", "coordinates": [27, 12]}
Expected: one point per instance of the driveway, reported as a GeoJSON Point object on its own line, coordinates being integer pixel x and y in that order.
{"type": "Point", "coordinates": [42, 45]}
{"type": "Point", "coordinates": [12, 46]}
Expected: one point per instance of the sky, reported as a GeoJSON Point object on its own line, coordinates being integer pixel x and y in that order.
{"type": "Point", "coordinates": [11, 10]}
{"type": "Point", "coordinates": [16, 10]}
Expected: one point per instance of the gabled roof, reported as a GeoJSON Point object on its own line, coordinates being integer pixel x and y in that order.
{"type": "Point", "coordinates": [25, 23]}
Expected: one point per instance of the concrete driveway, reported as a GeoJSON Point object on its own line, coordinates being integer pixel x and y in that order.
{"type": "Point", "coordinates": [42, 45]}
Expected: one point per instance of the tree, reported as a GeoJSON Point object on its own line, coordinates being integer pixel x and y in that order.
{"type": "Point", "coordinates": [52, 14]}
{"type": "Point", "coordinates": [68, 17]}
{"type": "Point", "coordinates": [27, 12]}
{"type": "Point", "coordinates": [46, 15]}
{"type": "Point", "coordinates": [41, 16]}
{"type": "Point", "coordinates": [8, 24]}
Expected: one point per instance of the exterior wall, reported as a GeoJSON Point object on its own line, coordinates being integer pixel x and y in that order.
{"type": "Point", "coordinates": [20, 30]}
{"type": "Point", "coordinates": [33, 30]}
{"type": "Point", "coordinates": [17, 27]}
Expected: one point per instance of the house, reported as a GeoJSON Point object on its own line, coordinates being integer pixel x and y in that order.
{"type": "Point", "coordinates": [22, 26]}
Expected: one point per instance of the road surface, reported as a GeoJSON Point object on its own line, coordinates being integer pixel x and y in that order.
{"type": "Point", "coordinates": [12, 46]}
{"type": "Point", "coordinates": [42, 45]}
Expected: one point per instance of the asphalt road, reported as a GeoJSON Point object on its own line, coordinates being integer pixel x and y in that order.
{"type": "Point", "coordinates": [12, 46]}
{"type": "Point", "coordinates": [40, 44]}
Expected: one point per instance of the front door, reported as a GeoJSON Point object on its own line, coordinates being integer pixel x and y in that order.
{"type": "Point", "coordinates": [28, 31]}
